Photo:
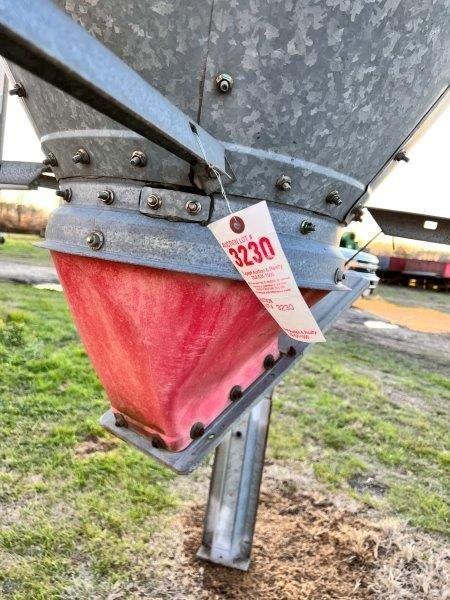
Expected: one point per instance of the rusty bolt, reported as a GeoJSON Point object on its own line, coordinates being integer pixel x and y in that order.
{"type": "Point", "coordinates": [193, 207]}
{"type": "Point", "coordinates": [224, 83]}
{"type": "Point", "coordinates": [18, 90]}
{"type": "Point", "coordinates": [307, 227]}
{"type": "Point", "coordinates": [81, 157]}
{"type": "Point", "coordinates": [197, 430]}
{"type": "Point", "coordinates": [95, 240]}
{"type": "Point", "coordinates": [401, 155]}
{"type": "Point", "coordinates": [65, 194]}
{"type": "Point", "coordinates": [334, 197]}
{"type": "Point", "coordinates": [235, 393]}
{"type": "Point", "coordinates": [120, 420]}
{"type": "Point", "coordinates": [50, 160]}
{"type": "Point", "coordinates": [106, 196]}
{"type": "Point", "coordinates": [269, 361]}
{"type": "Point", "coordinates": [154, 201]}
{"type": "Point", "coordinates": [339, 276]}
{"type": "Point", "coordinates": [283, 183]}
{"type": "Point", "coordinates": [138, 159]}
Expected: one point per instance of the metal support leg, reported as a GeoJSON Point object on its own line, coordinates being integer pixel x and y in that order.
{"type": "Point", "coordinates": [234, 490]}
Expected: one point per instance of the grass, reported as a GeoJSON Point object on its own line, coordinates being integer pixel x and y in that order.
{"type": "Point", "coordinates": [73, 522]}
{"type": "Point", "coordinates": [19, 247]}
{"type": "Point", "coordinates": [415, 297]}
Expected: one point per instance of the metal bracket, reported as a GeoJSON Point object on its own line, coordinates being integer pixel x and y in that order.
{"type": "Point", "coordinates": [21, 175]}
{"type": "Point", "coordinates": [325, 312]}
{"type": "Point", "coordinates": [173, 205]}
{"type": "Point", "coordinates": [414, 226]}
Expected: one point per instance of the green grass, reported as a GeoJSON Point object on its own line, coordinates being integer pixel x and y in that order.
{"type": "Point", "coordinates": [62, 513]}
{"type": "Point", "coordinates": [20, 247]}
{"type": "Point", "coordinates": [415, 297]}
{"type": "Point", "coordinates": [345, 411]}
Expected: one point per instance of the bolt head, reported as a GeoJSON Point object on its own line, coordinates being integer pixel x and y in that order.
{"type": "Point", "coordinates": [95, 240]}
{"type": "Point", "coordinates": [154, 201]}
{"type": "Point", "coordinates": [401, 155]}
{"type": "Point", "coordinates": [269, 361]}
{"type": "Point", "coordinates": [307, 227]}
{"type": "Point", "coordinates": [339, 276]}
{"type": "Point", "coordinates": [106, 196]}
{"type": "Point", "coordinates": [235, 393]}
{"type": "Point", "coordinates": [283, 183]}
{"type": "Point", "coordinates": [224, 83]}
{"type": "Point", "coordinates": [138, 159]}
{"type": "Point", "coordinates": [193, 207]}
{"type": "Point", "coordinates": [197, 430]}
{"type": "Point", "coordinates": [120, 420]}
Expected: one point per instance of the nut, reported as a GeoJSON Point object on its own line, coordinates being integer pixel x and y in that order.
{"type": "Point", "coordinates": [283, 183]}
{"type": "Point", "coordinates": [65, 194]}
{"type": "Point", "coordinates": [138, 159]}
{"type": "Point", "coordinates": [154, 201]}
{"type": "Point", "coordinates": [120, 420]}
{"type": "Point", "coordinates": [106, 196]}
{"type": "Point", "coordinates": [95, 240]}
{"type": "Point", "coordinates": [307, 227]}
{"type": "Point", "coordinates": [334, 197]}
{"type": "Point", "coordinates": [50, 160]}
{"type": "Point", "coordinates": [81, 157]}
{"type": "Point", "coordinates": [401, 155]}
{"type": "Point", "coordinates": [18, 90]}
{"type": "Point", "coordinates": [224, 83]}
{"type": "Point", "coordinates": [193, 207]}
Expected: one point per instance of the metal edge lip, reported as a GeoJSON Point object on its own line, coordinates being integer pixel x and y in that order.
{"type": "Point", "coordinates": [181, 268]}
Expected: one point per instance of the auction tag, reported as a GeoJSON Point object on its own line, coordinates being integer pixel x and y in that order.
{"type": "Point", "coordinates": [249, 239]}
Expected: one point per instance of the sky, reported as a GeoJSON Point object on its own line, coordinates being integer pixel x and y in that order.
{"type": "Point", "coordinates": [422, 185]}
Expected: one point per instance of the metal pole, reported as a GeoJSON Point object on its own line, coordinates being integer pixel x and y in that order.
{"type": "Point", "coordinates": [234, 490]}
{"type": "Point", "coordinates": [3, 98]}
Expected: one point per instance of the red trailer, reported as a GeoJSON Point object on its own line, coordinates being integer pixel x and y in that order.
{"type": "Point", "coordinates": [415, 271]}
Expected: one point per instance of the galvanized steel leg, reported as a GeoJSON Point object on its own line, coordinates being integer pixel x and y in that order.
{"type": "Point", "coordinates": [234, 490]}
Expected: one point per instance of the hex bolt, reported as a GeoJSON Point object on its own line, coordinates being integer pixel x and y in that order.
{"type": "Point", "coordinates": [120, 420]}
{"type": "Point", "coordinates": [283, 183]}
{"type": "Point", "coordinates": [18, 90]}
{"type": "Point", "coordinates": [50, 160]}
{"type": "Point", "coordinates": [65, 194]}
{"type": "Point", "coordinates": [333, 197]}
{"type": "Point", "coordinates": [138, 159]}
{"type": "Point", "coordinates": [224, 83]}
{"type": "Point", "coordinates": [95, 240]}
{"type": "Point", "coordinates": [81, 157]}
{"type": "Point", "coordinates": [307, 227]}
{"type": "Point", "coordinates": [339, 276]}
{"type": "Point", "coordinates": [401, 155]}
{"type": "Point", "coordinates": [197, 430]}
{"type": "Point", "coordinates": [154, 201]}
{"type": "Point", "coordinates": [106, 196]}
{"type": "Point", "coordinates": [269, 361]}
{"type": "Point", "coordinates": [193, 207]}
{"type": "Point", "coordinates": [235, 393]}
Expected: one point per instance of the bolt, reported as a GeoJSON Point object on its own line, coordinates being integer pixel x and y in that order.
{"type": "Point", "coordinates": [307, 227]}
{"type": "Point", "coordinates": [95, 240]}
{"type": "Point", "coordinates": [138, 159]}
{"type": "Point", "coordinates": [283, 183]}
{"type": "Point", "coordinates": [339, 276]}
{"type": "Point", "coordinates": [197, 430]}
{"type": "Point", "coordinates": [269, 361]}
{"type": "Point", "coordinates": [50, 160]}
{"type": "Point", "coordinates": [65, 194]}
{"type": "Point", "coordinates": [154, 201]}
{"type": "Point", "coordinates": [235, 393]}
{"type": "Point", "coordinates": [291, 351]}
{"type": "Point", "coordinates": [193, 207]}
{"type": "Point", "coordinates": [401, 155]}
{"type": "Point", "coordinates": [106, 196]}
{"type": "Point", "coordinates": [120, 420]}
{"type": "Point", "coordinates": [18, 90]}
{"type": "Point", "coordinates": [158, 442]}
{"type": "Point", "coordinates": [358, 214]}
{"type": "Point", "coordinates": [334, 197]}
{"type": "Point", "coordinates": [81, 156]}
{"type": "Point", "coordinates": [224, 83]}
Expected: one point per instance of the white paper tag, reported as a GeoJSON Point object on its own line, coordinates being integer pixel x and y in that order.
{"type": "Point", "coordinates": [249, 239]}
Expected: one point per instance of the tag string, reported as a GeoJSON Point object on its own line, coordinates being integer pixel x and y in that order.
{"type": "Point", "coordinates": [215, 171]}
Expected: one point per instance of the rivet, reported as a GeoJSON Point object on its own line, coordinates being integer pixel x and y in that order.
{"type": "Point", "coordinates": [95, 240]}
{"type": "Point", "coordinates": [269, 361]}
{"type": "Point", "coordinates": [334, 197]}
{"type": "Point", "coordinates": [138, 159]}
{"type": "Point", "coordinates": [81, 157]}
{"type": "Point", "coordinates": [18, 90]}
{"type": "Point", "coordinates": [307, 227]}
{"type": "Point", "coordinates": [401, 155]}
{"type": "Point", "coordinates": [154, 201]}
{"type": "Point", "coordinates": [197, 430]}
{"type": "Point", "coordinates": [193, 207]}
{"type": "Point", "coordinates": [224, 83]}
{"type": "Point", "coordinates": [339, 276]}
{"type": "Point", "coordinates": [106, 196]}
{"type": "Point", "coordinates": [283, 183]}
{"type": "Point", "coordinates": [65, 194]}
{"type": "Point", "coordinates": [50, 160]}
{"type": "Point", "coordinates": [120, 420]}
{"type": "Point", "coordinates": [235, 393]}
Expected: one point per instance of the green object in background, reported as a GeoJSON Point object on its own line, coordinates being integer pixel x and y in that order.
{"type": "Point", "coordinates": [348, 241]}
